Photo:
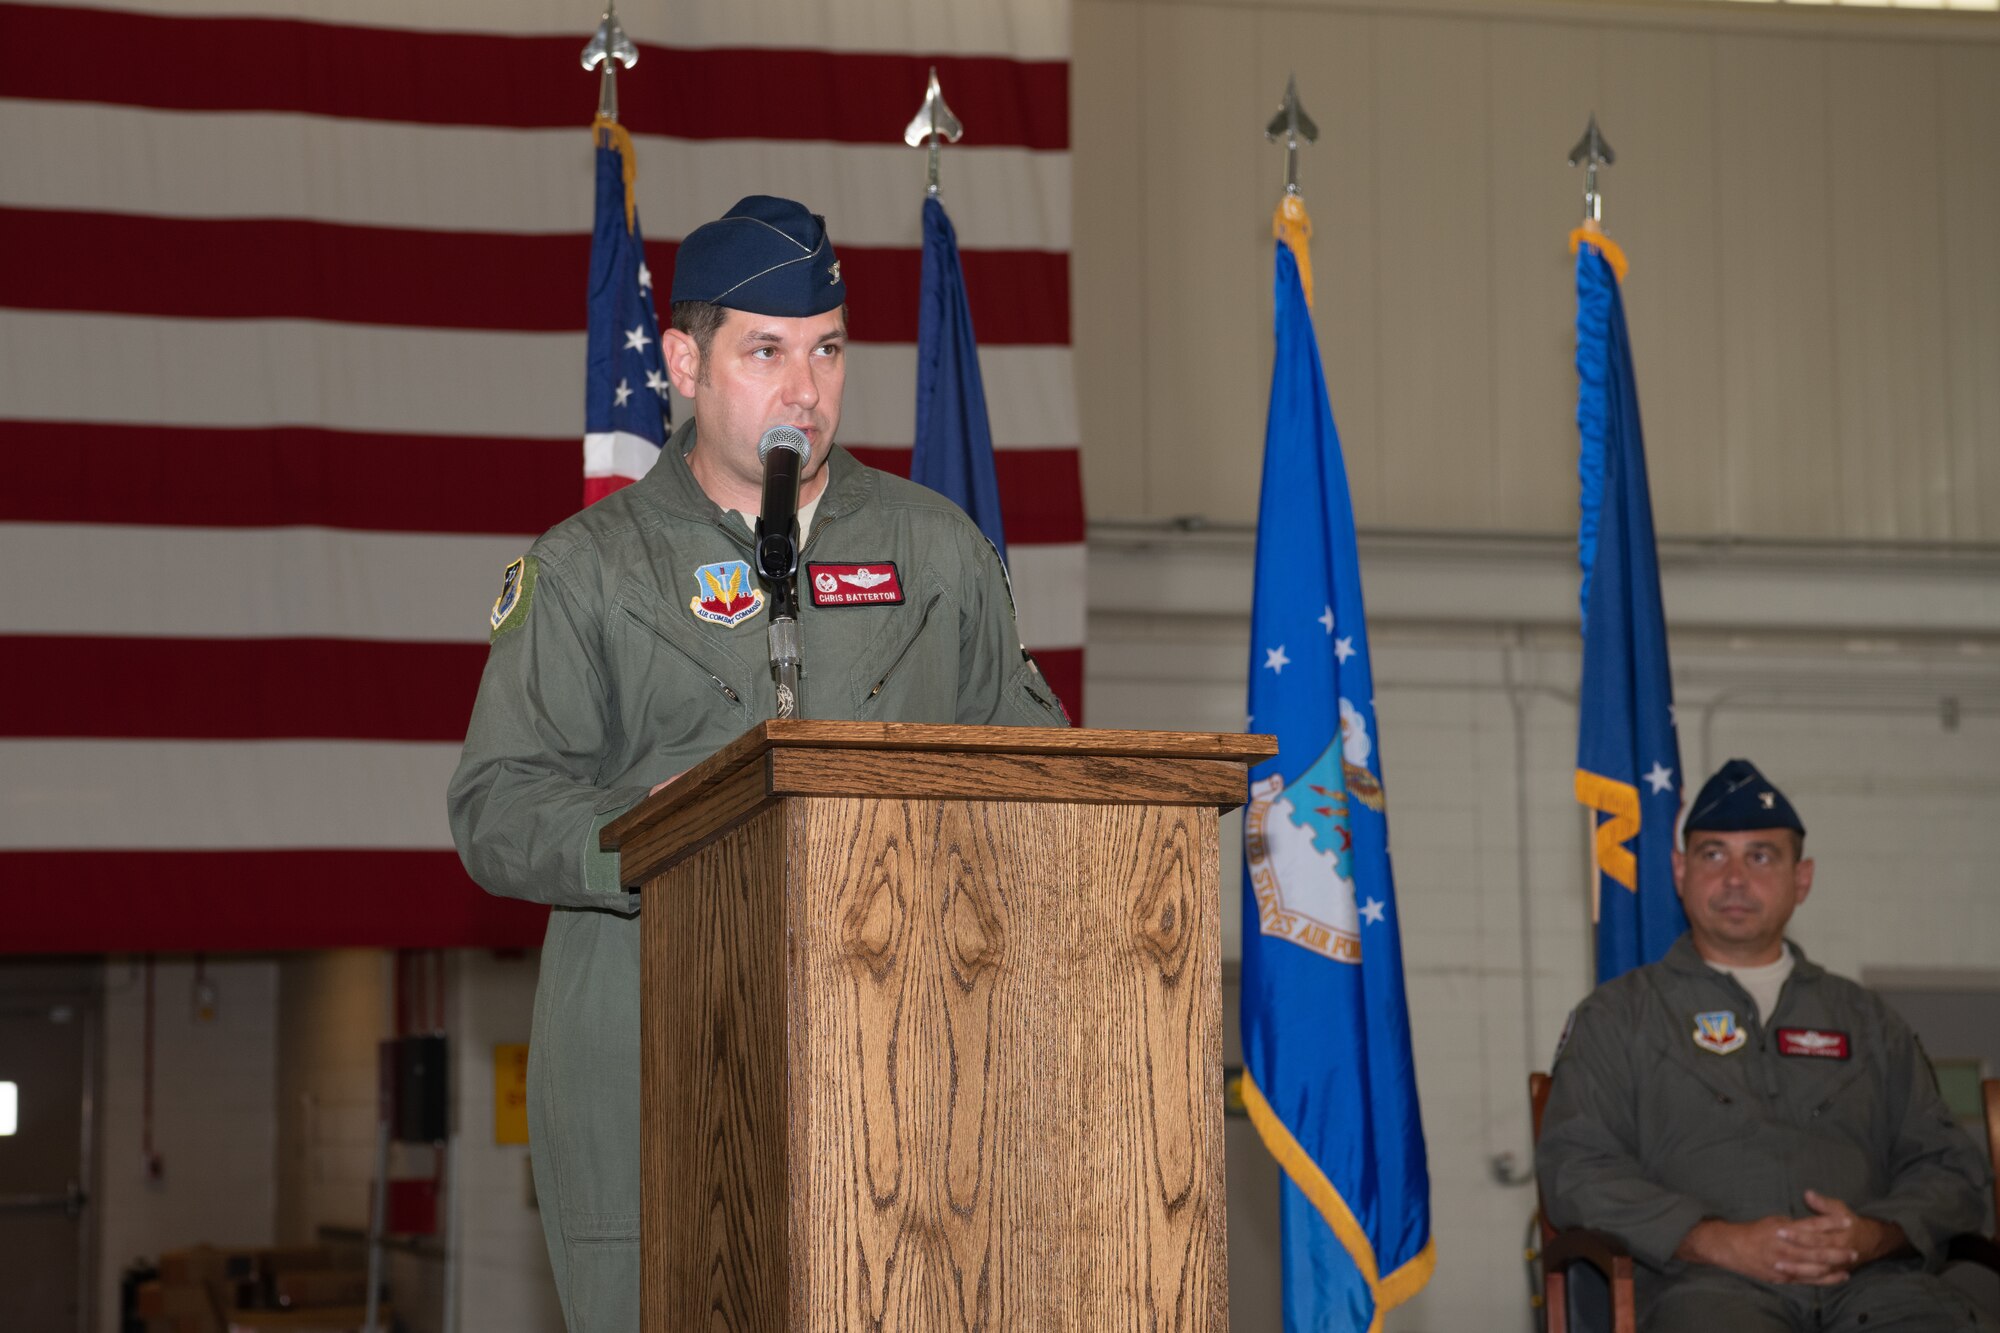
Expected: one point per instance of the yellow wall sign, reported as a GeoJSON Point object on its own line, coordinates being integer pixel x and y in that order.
{"type": "Point", "coordinates": [510, 1094]}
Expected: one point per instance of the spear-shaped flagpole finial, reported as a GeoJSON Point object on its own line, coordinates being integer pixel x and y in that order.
{"type": "Point", "coordinates": [1295, 126]}
{"type": "Point", "coordinates": [934, 121]}
{"type": "Point", "coordinates": [1590, 153]}
{"type": "Point", "coordinates": [609, 47]}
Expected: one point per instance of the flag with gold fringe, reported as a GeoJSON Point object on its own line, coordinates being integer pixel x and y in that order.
{"type": "Point", "coordinates": [1627, 753]}
{"type": "Point", "coordinates": [1329, 1081]}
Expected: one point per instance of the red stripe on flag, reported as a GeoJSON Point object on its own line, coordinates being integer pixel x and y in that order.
{"type": "Point", "coordinates": [294, 476]}
{"type": "Point", "coordinates": [282, 268]}
{"type": "Point", "coordinates": [596, 488]}
{"type": "Point", "coordinates": [222, 901]}
{"type": "Point", "coordinates": [1063, 668]}
{"type": "Point", "coordinates": [238, 689]}
{"type": "Point", "coordinates": [465, 78]}
{"type": "Point", "coordinates": [283, 476]}
{"type": "Point", "coordinates": [1041, 490]}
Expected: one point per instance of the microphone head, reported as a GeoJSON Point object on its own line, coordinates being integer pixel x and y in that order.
{"type": "Point", "coordinates": [783, 437]}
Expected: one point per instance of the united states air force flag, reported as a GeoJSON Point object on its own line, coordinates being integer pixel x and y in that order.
{"type": "Point", "coordinates": [954, 445]}
{"type": "Point", "coordinates": [1627, 755]}
{"type": "Point", "coordinates": [626, 401]}
{"type": "Point", "coordinates": [1326, 1032]}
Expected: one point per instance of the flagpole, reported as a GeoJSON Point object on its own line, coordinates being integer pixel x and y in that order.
{"type": "Point", "coordinates": [609, 47]}
{"type": "Point", "coordinates": [1292, 225]}
{"type": "Point", "coordinates": [933, 122]}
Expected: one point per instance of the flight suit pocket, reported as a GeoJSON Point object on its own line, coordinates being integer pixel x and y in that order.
{"type": "Point", "coordinates": [914, 680]}
{"type": "Point", "coordinates": [682, 679]}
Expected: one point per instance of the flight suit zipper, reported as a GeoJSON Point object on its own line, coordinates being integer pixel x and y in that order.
{"type": "Point", "coordinates": [903, 653]}
{"type": "Point", "coordinates": [701, 666]}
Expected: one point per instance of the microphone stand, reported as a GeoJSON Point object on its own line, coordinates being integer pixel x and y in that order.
{"type": "Point", "coordinates": [777, 543]}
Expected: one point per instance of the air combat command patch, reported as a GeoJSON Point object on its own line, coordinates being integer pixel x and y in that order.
{"type": "Point", "coordinates": [726, 593]}
{"type": "Point", "coordinates": [1717, 1031]}
{"type": "Point", "coordinates": [517, 590]}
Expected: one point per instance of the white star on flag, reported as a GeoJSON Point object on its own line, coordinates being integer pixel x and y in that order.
{"type": "Point", "coordinates": [1371, 911]}
{"type": "Point", "coordinates": [1659, 777]}
{"type": "Point", "coordinates": [1326, 619]}
{"type": "Point", "coordinates": [1275, 659]}
{"type": "Point", "coordinates": [1343, 649]}
{"type": "Point", "coordinates": [656, 382]}
{"type": "Point", "coordinates": [636, 339]}
{"type": "Point", "coordinates": [645, 277]}
{"type": "Point", "coordinates": [622, 392]}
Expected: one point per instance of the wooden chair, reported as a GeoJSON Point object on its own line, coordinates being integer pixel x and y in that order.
{"type": "Point", "coordinates": [1562, 1250]}
{"type": "Point", "coordinates": [1972, 1247]}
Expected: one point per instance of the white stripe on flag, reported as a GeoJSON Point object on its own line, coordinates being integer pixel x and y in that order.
{"type": "Point", "coordinates": [123, 368]}
{"type": "Point", "coordinates": [460, 178]}
{"type": "Point", "coordinates": [219, 794]}
{"type": "Point", "coordinates": [250, 582]}
{"type": "Point", "coordinates": [618, 453]}
{"type": "Point", "coordinates": [232, 583]}
{"type": "Point", "coordinates": [1048, 593]}
{"type": "Point", "coordinates": [1022, 29]}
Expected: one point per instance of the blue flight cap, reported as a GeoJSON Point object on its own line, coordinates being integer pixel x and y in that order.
{"type": "Point", "coordinates": [766, 255]}
{"type": "Point", "coordinates": [1738, 797]}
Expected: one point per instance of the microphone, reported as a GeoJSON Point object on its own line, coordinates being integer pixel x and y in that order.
{"type": "Point", "coordinates": [783, 451]}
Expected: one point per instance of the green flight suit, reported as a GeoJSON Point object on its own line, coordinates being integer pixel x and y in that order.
{"type": "Point", "coordinates": [602, 680]}
{"type": "Point", "coordinates": [1651, 1128]}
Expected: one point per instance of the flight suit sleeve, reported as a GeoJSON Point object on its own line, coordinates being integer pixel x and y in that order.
{"type": "Point", "coordinates": [1939, 1178]}
{"type": "Point", "coordinates": [999, 683]}
{"type": "Point", "coordinates": [525, 804]}
{"type": "Point", "coordinates": [1587, 1158]}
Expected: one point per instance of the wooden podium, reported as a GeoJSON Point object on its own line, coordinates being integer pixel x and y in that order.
{"type": "Point", "coordinates": [933, 1030]}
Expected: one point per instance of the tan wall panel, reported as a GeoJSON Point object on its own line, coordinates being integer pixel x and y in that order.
{"type": "Point", "coordinates": [1658, 101]}
{"type": "Point", "coordinates": [1777, 310]}
{"type": "Point", "coordinates": [1888, 300]}
{"type": "Point", "coordinates": [1109, 295]}
{"type": "Point", "coordinates": [1806, 199]}
{"type": "Point", "coordinates": [1207, 174]}
{"type": "Point", "coordinates": [1969, 108]}
{"type": "Point", "coordinates": [1332, 56]}
{"type": "Point", "coordinates": [1436, 330]}
{"type": "Point", "coordinates": [1541, 95]}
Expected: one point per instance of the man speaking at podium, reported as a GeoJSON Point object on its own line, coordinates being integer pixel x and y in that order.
{"type": "Point", "coordinates": [630, 643]}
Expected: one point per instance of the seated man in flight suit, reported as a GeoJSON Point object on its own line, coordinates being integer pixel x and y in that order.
{"type": "Point", "coordinates": [1766, 1137]}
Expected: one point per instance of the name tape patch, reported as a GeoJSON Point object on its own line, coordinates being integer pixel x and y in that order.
{"type": "Point", "coordinates": [1815, 1042]}
{"type": "Point", "coordinates": [874, 584]}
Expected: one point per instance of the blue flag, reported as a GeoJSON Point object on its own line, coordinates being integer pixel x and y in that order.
{"type": "Point", "coordinates": [1326, 1032]}
{"type": "Point", "coordinates": [1628, 758]}
{"type": "Point", "coordinates": [954, 449]}
{"type": "Point", "coordinates": [627, 406]}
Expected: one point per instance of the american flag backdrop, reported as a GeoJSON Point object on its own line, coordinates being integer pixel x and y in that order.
{"type": "Point", "coordinates": [292, 299]}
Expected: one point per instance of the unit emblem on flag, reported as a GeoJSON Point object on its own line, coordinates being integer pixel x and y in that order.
{"type": "Point", "coordinates": [516, 587]}
{"type": "Point", "coordinates": [873, 584]}
{"type": "Point", "coordinates": [1717, 1032]}
{"type": "Point", "coordinates": [1299, 845]}
{"type": "Point", "coordinates": [726, 593]}
{"type": "Point", "coordinates": [1811, 1041]}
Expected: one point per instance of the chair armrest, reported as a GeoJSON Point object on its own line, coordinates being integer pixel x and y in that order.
{"type": "Point", "coordinates": [1974, 1248]}
{"type": "Point", "coordinates": [1600, 1249]}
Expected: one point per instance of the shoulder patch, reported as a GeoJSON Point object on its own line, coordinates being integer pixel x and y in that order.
{"type": "Point", "coordinates": [517, 591]}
